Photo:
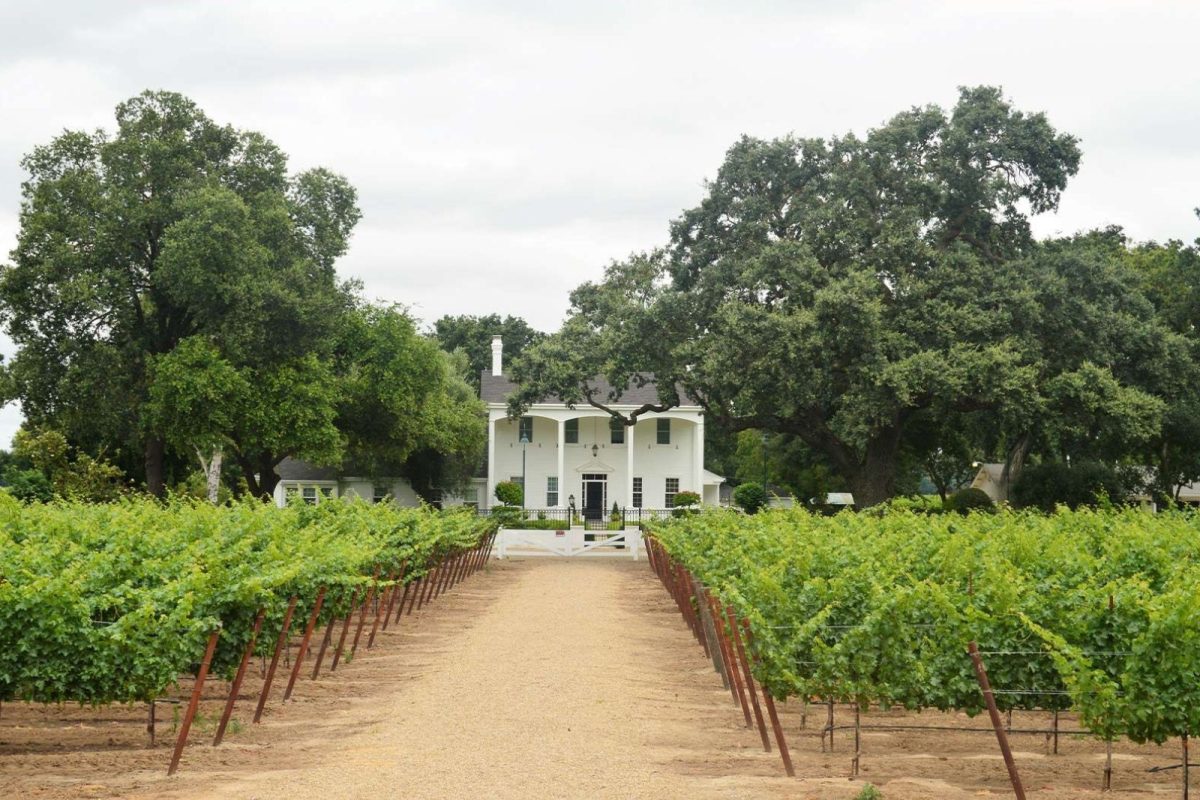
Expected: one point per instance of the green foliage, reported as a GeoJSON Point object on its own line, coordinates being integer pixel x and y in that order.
{"type": "Point", "coordinates": [79, 478]}
{"type": "Point", "coordinates": [172, 228]}
{"type": "Point", "coordinates": [970, 499]}
{"type": "Point", "coordinates": [472, 337]}
{"type": "Point", "coordinates": [1097, 611]}
{"type": "Point", "coordinates": [750, 497]}
{"type": "Point", "coordinates": [114, 602]}
{"type": "Point", "coordinates": [683, 499]}
{"type": "Point", "coordinates": [857, 282]}
{"type": "Point", "coordinates": [869, 792]}
{"type": "Point", "coordinates": [509, 493]}
{"type": "Point", "coordinates": [1046, 486]}
{"type": "Point", "coordinates": [28, 485]}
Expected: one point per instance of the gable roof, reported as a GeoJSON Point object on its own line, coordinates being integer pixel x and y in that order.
{"type": "Point", "coordinates": [497, 388]}
{"type": "Point", "coordinates": [293, 469]}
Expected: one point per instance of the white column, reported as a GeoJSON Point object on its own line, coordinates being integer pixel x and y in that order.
{"type": "Point", "coordinates": [491, 475]}
{"type": "Point", "coordinates": [562, 454]}
{"type": "Point", "coordinates": [698, 456]}
{"type": "Point", "coordinates": [629, 442]}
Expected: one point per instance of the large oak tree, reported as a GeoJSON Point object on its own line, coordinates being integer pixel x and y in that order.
{"type": "Point", "coordinates": [170, 227]}
{"type": "Point", "coordinates": [841, 290]}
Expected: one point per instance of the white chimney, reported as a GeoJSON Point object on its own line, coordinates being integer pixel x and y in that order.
{"type": "Point", "coordinates": [497, 355]}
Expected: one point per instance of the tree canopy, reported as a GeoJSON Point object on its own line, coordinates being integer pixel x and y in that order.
{"type": "Point", "coordinates": [862, 283]}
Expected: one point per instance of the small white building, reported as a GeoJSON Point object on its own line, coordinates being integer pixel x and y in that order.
{"type": "Point", "coordinates": [561, 453]}
{"type": "Point", "coordinates": [301, 481]}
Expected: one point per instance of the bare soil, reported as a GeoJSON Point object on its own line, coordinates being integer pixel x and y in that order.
{"type": "Point", "coordinates": [539, 679]}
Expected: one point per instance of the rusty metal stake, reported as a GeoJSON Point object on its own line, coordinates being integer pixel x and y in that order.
{"type": "Point", "coordinates": [150, 724]}
{"type": "Point", "coordinates": [326, 638]}
{"type": "Point", "coordinates": [418, 585]}
{"type": "Point", "coordinates": [194, 703]}
{"type": "Point", "coordinates": [362, 615]}
{"type": "Point", "coordinates": [1106, 786]}
{"type": "Point", "coordinates": [308, 632]}
{"type": "Point", "coordinates": [857, 740]}
{"type": "Point", "coordinates": [337, 654]}
{"type": "Point", "coordinates": [403, 597]}
{"type": "Point", "coordinates": [380, 609]}
{"type": "Point", "coordinates": [758, 716]}
{"type": "Point", "coordinates": [395, 591]}
{"type": "Point", "coordinates": [283, 633]}
{"type": "Point", "coordinates": [237, 678]}
{"type": "Point", "coordinates": [1184, 742]}
{"type": "Point", "coordinates": [994, 713]}
{"type": "Point", "coordinates": [775, 726]}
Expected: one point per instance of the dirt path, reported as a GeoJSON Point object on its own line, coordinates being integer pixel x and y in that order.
{"type": "Point", "coordinates": [554, 690]}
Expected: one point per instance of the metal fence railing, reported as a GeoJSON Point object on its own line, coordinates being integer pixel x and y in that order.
{"type": "Point", "coordinates": [588, 519]}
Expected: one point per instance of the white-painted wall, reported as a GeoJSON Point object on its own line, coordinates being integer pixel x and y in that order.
{"type": "Point", "coordinates": [652, 462]}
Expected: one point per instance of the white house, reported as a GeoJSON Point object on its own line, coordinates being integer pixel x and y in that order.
{"type": "Point", "coordinates": [562, 454]}
{"type": "Point", "coordinates": [301, 481]}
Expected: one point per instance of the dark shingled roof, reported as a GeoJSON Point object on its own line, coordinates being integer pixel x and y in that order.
{"type": "Point", "coordinates": [293, 469]}
{"type": "Point", "coordinates": [497, 388]}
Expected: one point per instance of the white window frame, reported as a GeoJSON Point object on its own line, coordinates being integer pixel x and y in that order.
{"type": "Point", "coordinates": [637, 492]}
{"type": "Point", "coordinates": [380, 494]}
{"type": "Point", "coordinates": [669, 493]}
{"type": "Point", "coordinates": [551, 491]}
{"type": "Point", "coordinates": [662, 426]}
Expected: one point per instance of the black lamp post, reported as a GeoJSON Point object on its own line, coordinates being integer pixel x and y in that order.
{"type": "Point", "coordinates": [524, 442]}
{"type": "Point", "coordinates": [764, 460]}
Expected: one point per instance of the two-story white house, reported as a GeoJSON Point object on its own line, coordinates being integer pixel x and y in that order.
{"type": "Point", "coordinates": [582, 454]}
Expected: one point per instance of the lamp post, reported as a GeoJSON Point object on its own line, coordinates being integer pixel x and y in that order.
{"type": "Point", "coordinates": [524, 442]}
{"type": "Point", "coordinates": [764, 460]}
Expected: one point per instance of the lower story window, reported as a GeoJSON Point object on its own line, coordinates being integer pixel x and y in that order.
{"type": "Point", "coordinates": [637, 492]}
{"type": "Point", "coordinates": [379, 494]}
{"type": "Point", "coordinates": [672, 490]}
{"type": "Point", "coordinates": [309, 493]}
{"type": "Point", "coordinates": [471, 497]}
{"type": "Point", "coordinates": [551, 491]}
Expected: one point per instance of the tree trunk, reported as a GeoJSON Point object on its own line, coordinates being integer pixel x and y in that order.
{"type": "Point", "coordinates": [875, 481]}
{"type": "Point", "coordinates": [267, 479]}
{"type": "Point", "coordinates": [1013, 465]}
{"type": "Point", "coordinates": [212, 472]}
{"type": "Point", "coordinates": [155, 457]}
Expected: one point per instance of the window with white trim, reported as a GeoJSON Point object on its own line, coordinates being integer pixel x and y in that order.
{"type": "Point", "coordinates": [519, 480]}
{"type": "Point", "coordinates": [672, 489]}
{"type": "Point", "coordinates": [664, 431]}
{"type": "Point", "coordinates": [379, 494]}
{"type": "Point", "coordinates": [617, 429]}
{"type": "Point", "coordinates": [471, 497]}
{"type": "Point", "coordinates": [571, 431]}
{"type": "Point", "coordinates": [309, 493]}
{"type": "Point", "coordinates": [551, 491]}
{"type": "Point", "coordinates": [637, 492]}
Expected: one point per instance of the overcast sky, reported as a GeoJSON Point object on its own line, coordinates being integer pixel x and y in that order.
{"type": "Point", "coordinates": [504, 152]}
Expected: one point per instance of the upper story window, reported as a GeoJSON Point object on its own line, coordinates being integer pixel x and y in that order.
{"type": "Point", "coordinates": [525, 430]}
{"type": "Point", "coordinates": [571, 431]}
{"type": "Point", "coordinates": [617, 429]}
{"type": "Point", "coordinates": [664, 431]}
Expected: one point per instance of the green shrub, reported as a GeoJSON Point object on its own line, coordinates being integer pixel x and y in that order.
{"type": "Point", "coordinates": [869, 792]}
{"type": "Point", "coordinates": [686, 499]}
{"type": "Point", "coordinates": [750, 497]}
{"type": "Point", "coordinates": [970, 499]}
{"type": "Point", "coordinates": [507, 516]}
{"type": "Point", "coordinates": [28, 485]}
{"type": "Point", "coordinates": [1052, 484]}
{"type": "Point", "coordinates": [510, 493]}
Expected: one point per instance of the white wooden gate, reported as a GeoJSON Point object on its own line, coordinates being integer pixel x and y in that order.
{"type": "Point", "coordinates": [569, 542]}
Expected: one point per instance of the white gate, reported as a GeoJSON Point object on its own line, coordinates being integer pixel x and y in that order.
{"type": "Point", "coordinates": [569, 542]}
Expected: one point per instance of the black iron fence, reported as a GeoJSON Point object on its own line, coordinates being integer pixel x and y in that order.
{"type": "Point", "coordinates": [562, 518]}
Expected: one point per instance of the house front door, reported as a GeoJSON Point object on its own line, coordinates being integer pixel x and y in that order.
{"type": "Point", "coordinates": [594, 491]}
